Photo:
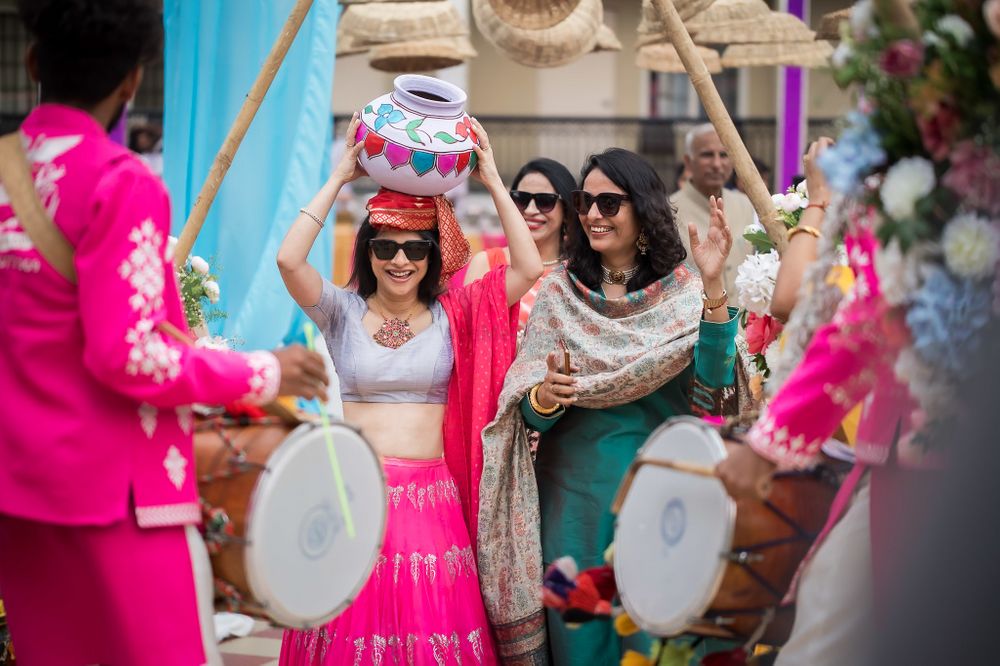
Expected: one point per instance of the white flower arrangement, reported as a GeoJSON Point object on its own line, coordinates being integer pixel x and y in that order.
{"type": "Point", "coordinates": [907, 181]}
{"type": "Point", "coordinates": [971, 245]}
{"type": "Point", "coordinates": [198, 287]}
{"type": "Point", "coordinates": [901, 274]}
{"type": "Point", "coordinates": [955, 27]}
{"type": "Point", "coordinates": [772, 353]}
{"type": "Point", "coordinates": [862, 19]}
{"type": "Point", "coordinates": [755, 280]}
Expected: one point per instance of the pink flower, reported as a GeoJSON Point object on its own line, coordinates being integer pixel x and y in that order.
{"type": "Point", "coordinates": [991, 13]}
{"type": "Point", "coordinates": [761, 331]}
{"type": "Point", "coordinates": [938, 129]}
{"type": "Point", "coordinates": [973, 176]}
{"type": "Point", "coordinates": [902, 58]}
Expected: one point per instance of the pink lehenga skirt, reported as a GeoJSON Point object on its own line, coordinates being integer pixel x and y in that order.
{"type": "Point", "coordinates": [421, 604]}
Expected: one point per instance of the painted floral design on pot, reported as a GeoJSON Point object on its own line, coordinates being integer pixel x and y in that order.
{"type": "Point", "coordinates": [418, 138]}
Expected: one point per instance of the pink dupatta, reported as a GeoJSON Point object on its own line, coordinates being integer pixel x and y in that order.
{"type": "Point", "coordinates": [483, 336]}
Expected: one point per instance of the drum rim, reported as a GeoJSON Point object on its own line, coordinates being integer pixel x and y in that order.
{"type": "Point", "coordinates": [253, 579]}
{"type": "Point", "coordinates": [672, 629]}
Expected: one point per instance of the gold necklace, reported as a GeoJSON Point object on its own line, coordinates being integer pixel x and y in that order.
{"type": "Point", "coordinates": [551, 262]}
{"type": "Point", "coordinates": [609, 276]}
{"type": "Point", "coordinates": [395, 332]}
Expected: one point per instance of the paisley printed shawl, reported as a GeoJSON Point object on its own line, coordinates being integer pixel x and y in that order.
{"type": "Point", "coordinates": [626, 348]}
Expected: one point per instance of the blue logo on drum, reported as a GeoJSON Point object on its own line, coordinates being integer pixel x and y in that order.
{"type": "Point", "coordinates": [673, 522]}
{"type": "Point", "coordinates": [318, 530]}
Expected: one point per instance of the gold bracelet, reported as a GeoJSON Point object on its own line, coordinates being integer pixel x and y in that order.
{"type": "Point", "coordinates": [804, 229]}
{"type": "Point", "coordinates": [314, 216]}
{"type": "Point", "coordinates": [537, 407]}
{"type": "Point", "coordinates": [709, 304]}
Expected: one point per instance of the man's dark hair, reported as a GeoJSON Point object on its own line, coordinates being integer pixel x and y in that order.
{"type": "Point", "coordinates": [648, 197]}
{"type": "Point", "coordinates": [85, 48]}
{"type": "Point", "coordinates": [363, 276]}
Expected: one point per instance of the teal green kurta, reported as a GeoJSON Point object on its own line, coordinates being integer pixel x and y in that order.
{"type": "Point", "coordinates": [582, 457]}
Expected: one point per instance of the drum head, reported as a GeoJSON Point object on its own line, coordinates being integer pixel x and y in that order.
{"type": "Point", "coordinates": [671, 530]}
{"type": "Point", "coordinates": [301, 564]}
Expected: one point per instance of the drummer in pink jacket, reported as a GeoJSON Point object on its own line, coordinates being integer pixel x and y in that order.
{"type": "Point", "coordinates": [97, 478]}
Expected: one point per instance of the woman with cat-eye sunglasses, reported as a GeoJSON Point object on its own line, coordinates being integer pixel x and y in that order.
{"type": "Point", "coordinates": [541, 191]}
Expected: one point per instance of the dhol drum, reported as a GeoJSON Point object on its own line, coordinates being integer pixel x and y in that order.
{"type": "Point", "coordinates": [690, 559]}
{"type": "Point", "coordinates": [274, 526]}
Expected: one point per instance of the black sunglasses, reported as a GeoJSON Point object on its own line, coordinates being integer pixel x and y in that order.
{"type": "Point", "coordinates": [415, 250]}
{"type": "Point", "coordinates": [544, 201]}
{"type": "Point", "coordinates": [608, 203]}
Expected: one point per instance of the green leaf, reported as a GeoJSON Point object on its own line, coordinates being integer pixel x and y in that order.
{"type": "Point", "coordinates": [760, 241]}
{"type": "Point", "coordinates": [411, 130]}
{"type": "Point", "coordinates": [444, 136]}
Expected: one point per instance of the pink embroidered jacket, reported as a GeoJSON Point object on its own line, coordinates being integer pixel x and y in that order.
{"type": "Point", "coordinates": [94, 401]}
{"type": "Point", "coordinates": [849, 360]}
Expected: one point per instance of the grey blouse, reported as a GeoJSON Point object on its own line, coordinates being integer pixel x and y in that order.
{"type": "Point", "coordinates": [416, 372]}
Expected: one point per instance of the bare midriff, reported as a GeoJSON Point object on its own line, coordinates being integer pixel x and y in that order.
{"type": "Point", "coordinates": [399, 429]}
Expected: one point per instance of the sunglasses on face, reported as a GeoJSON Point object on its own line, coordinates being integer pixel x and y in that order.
{"type": "Point", "coordinates": [544, 201]}
{"type": "Point", "coordinates": [608, 203]}
{"type": "Point", "coordinates": [415, 250]}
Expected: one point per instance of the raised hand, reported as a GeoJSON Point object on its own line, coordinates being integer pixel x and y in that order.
{"type": "Point", "coordinates": [710, 253]}
{"type": "Point", "coordinates": [486, 168]}
{"type": "Point", "coordinates": [349, 169]}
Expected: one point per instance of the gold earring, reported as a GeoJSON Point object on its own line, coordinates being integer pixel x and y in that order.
{"type": "Point", "coordinates": [642, 243]}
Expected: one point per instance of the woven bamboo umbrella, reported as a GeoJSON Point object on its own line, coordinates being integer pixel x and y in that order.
{"type": "Point", "coordinates": [829, 25]}
{"type": "Point", "coordinates": [563, 43]}
{"type": "Point", "coordinates": [388, 22]}
{"type": "Point", "coordinates": [726, 11]}
{"type": "Point", "coordinates": [776, 27]}
{"type": "Point", "coordinates": [651, 28]}
{"type": "Point", "coordinates": [793, 54]}
{"type": "Point", "coordinates": [347, 44]}
{"type": "Point", "coordinates": [533, 14]}
{"type": "Point", "coordinates": [422, 55]}
{"type": "Point", "coordinates": [372, 2]}
{"type": "Point", "coordinates": [607, 40]}
{"type": "Point", "coordinates": [664, 58]}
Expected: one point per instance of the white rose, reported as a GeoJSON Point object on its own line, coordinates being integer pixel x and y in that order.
{"type": "Point", "coordinates": [199, 265]}
{"type": "Point", "coordinates": [212, 291]}
{"type": "Point", "coordinates": [803, 189]}
{"type": "Point", "coordinates": [778, 200]}
{"type": "Point", "coordinates": [755, 281]}
{"type": "Point", "coordinates": [955, 27]}
{"type": "Point", "coordinates": [772, 353]}
{"type": "Point", "coordinates": [752, 228]}
{"type": "Point", "coordinates": [906, 182]}
{"type": "Point", "coordinates": [971, 246]}
{"type": "Point", "coordinates": [841, 55]}
{"type": "Point", "coordinates": [793, 201]}
{"type": "Point", "coordinates": [171, 244]}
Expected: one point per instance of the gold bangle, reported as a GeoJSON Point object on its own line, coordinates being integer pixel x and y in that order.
{"type": "Point", "coordinates": [804, 229]}
{"type": "Point", "coordinates": [710, 304]}
{"type": "Point", "coordinates": [537, 407]}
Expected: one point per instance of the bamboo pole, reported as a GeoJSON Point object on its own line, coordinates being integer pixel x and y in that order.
{"type": "Point", "coordinates": [702, 82]}
{"type": "Point", "coordinates": [224, 158]}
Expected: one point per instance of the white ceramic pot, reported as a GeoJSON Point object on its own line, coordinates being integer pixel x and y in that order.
{"type": "Point", "coordinates": [418, 138]}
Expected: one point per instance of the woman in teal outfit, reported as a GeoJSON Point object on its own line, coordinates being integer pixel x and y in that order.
{"type": "Point", "coordinates": [649, 339]}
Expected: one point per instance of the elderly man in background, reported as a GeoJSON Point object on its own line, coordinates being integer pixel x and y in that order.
{"type": "Point", "coordinates": [710, 167]}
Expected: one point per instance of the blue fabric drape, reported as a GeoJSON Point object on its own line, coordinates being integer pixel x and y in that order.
{"type": "Point", "coordinates": [213, 53]}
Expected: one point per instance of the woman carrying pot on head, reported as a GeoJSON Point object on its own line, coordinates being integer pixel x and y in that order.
{"type": "Point", "coordinates": [420, 370]}
{"type": "Point", "coordinates": [541, 190]}
{"type": "Point", "coordinates": [648, 340]}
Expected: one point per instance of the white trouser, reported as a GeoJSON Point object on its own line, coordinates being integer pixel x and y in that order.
{"type": "Point", "coordinates": [833, 611]}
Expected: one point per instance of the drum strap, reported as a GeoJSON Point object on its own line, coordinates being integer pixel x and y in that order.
{"type": "Point", "coordinates": [15, 175]}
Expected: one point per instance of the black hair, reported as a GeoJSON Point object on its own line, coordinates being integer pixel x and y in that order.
{"type": "Point", "coordinates": [363, 277]}
{"type": "Point", "coordinates": [563, 183]}
{"type": "Point", "coordinates": [86, 48]}
{"type": "Point", "coordinates": [648, 198]}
